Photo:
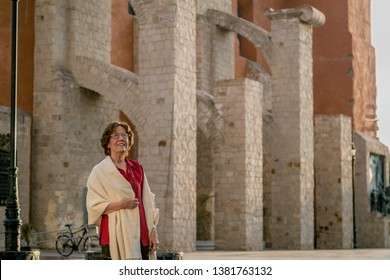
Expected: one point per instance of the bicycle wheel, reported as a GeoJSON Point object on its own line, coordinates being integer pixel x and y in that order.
{"type": "Point", "coordinates": [91, 243]}
{"type": "Point", "coordinates": [64, 245]}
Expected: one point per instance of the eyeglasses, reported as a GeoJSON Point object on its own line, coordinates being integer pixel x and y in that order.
{"type": "Point", "coordinates": [124, 136]}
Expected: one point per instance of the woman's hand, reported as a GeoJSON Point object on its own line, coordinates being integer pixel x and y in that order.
{"type": "Point", "coordinates": [153, 240]}
{"type": "Point", "coordinates": [125, 203]}
{"type": "Point", "coordinates": [129, 203]}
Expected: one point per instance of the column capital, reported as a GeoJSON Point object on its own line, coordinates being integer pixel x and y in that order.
{"type": "Point", "coordinates": [305, 13]}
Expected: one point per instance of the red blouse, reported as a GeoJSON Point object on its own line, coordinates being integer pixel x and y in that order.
{"type": "Point", "coordinates": [132, 167]}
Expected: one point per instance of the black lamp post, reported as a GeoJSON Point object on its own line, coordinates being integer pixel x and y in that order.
{"type": "Point", "coordinates": [353, 152]}
{"type": "Point", "coordinates": [12, 219]}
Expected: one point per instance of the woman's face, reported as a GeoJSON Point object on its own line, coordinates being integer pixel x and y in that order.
{"type": "Point", "coordinates": [119, 141]}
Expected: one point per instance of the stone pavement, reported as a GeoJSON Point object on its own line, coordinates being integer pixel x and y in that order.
{"type": "Point", "coordinates": [351, 254]}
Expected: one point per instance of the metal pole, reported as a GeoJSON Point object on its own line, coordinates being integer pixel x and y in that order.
{"type": "Point", "coordinates": [355, 245]}
{"type": "Point", "coordinates": [12, 219]}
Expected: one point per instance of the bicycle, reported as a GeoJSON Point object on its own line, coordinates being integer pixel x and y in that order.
{"type": "Point", "coordinates": [67, 242]}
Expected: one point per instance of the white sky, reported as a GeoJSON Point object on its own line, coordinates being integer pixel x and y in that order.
{"type": "Point", "coordinates": [380, 26]}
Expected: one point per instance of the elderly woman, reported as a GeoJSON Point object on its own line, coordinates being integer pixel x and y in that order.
{"type": "Point", "coordinates": [119, 200]}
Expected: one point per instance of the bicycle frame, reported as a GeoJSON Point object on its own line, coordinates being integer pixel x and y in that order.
{"type": "Point", "coordinates": [79, 238]}
{"type": "Point", "coordinates": [76, 239]}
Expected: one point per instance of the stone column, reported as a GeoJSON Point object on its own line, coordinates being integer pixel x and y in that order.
{"type": "Point", "coordinates": [372, 226]}
{"type": "Point", "coordinates": [68, 120]}
{"type": "Point", "coordinates": [238, 167]}
{"type": "Point", "coordinates": [333, 177]}
{"type": "Point", "coordinates": [292, 225]}
{"type": "Point", "coordinates": [205, 68]}
{"type": "Point", "coordinates": [167, 129]}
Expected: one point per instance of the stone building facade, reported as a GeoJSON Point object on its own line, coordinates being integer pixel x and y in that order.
{"type": "Point", "coordinates": [243, 161]}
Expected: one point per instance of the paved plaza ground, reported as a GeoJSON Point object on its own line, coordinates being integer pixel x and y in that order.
{"type": "Point", "coordinates": [352, 254]}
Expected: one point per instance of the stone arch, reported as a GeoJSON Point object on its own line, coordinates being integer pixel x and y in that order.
{"type": "Point", "coordinates": [259, 37]}
{"type": "Point", "coordinates": [211, 123]}
{"type": "Point", "coordinates": [112, 80]}
{"type": "Point", "coordinates": [114, 83]}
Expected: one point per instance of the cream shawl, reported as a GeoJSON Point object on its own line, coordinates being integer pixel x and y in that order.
{"type": "Point", "coordinates": [106, 184]}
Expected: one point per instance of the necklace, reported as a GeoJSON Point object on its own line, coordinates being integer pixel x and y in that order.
{"type": "Point", "coordinates": [132, 174]}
